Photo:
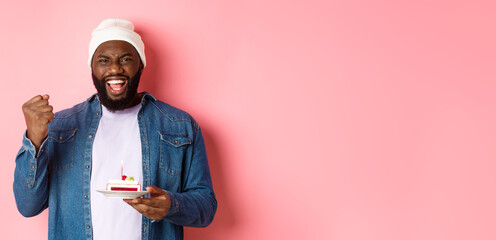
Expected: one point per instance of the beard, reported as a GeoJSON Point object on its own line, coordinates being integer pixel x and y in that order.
{"type": "Point", "coordinates": [119, 104]}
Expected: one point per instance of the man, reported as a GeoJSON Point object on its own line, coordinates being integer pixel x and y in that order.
{"type": "Point", "coordinates": [65, 157]}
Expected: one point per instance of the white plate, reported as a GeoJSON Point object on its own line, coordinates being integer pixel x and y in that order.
{"type": "Point", "coordinates": [123, 194]}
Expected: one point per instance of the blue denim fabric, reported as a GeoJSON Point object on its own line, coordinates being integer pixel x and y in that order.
{"type": "Point", "coordinates": [58, 175]}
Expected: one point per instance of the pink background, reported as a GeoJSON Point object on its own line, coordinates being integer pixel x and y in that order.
{"type": "Point", "coordinates": [323, 119]}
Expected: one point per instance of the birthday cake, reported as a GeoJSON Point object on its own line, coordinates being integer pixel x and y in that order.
{"type": "Point", "coordinates": [125, 184]}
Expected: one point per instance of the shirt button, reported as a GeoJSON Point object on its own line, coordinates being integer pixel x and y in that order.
{"type": "Point", "coordinates": [87, 226]}
{"type": "Point", "coordinates": [97, 114]}
{"type": "Point", "coordinates": [143, 138]}
{"type": "Point", "coordinates": [60, 138]}
{"type": "Point", "coordinates": [87, 166]}
{"type": "Point", "coordinates": [90, 136]}
{"type": "Point", "coordinates": [175, 141]}
{"type": "Point", "coordinates": [85, 196]}
{"type": "Point", "coordinates": [32, 166]}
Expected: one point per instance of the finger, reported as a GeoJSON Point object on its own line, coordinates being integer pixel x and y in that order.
{"type": "Point", "coordinates": [150, 212]}
{"type": "Point", "coordinates": [35, 98]}
{"type": "Point", "coordinates": [46, 117]}
{"type": "Point", "coordinates": [50, 117]}
{"type": "Point", "coordinates": [156, 202]}
{"type": "Point", "coordinates": [138, 207]}
{"type": "Point", "coordinates": [141, 201]}
{"type": "Point", "coordinates": [147, 210]}
{"type": "Point", "coordinates": [45, 108]}
{"type": "Point", "coordinates": [142, 208]}
{"type": "Point", "coordinates": [38, 103]}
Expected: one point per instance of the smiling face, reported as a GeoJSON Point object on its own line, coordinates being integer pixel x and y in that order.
{"type": "Point", "coordinates": [116, 71]}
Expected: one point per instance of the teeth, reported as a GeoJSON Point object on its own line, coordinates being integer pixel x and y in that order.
{"type": "Point", "coordinates": [115, 82]}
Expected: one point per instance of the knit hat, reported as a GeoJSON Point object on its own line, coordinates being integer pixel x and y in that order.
{"type": "Point", "coordinates": [116, 29]}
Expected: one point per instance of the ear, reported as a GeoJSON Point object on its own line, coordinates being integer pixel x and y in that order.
{"type": "Point", "coordinates": [91, 63]}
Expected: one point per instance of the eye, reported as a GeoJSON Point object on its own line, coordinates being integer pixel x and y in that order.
{"type": "Point", "coordinates": [126, 59]}
{"type": "Point", "coordinates": [103, 60]}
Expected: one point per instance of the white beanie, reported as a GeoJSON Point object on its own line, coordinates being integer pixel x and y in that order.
{"type": "Point", "coordinates": [116, 29]}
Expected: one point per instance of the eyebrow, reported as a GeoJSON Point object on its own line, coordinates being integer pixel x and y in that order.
{"type": "Point", "coordinates": [123, 55]}
{"type": "Point", "coordinates": [126, 55]}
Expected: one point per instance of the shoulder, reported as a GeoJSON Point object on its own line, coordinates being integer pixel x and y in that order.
{"type": "Point", "coordinates": [67, 113]}
{"type": "Point", "coordinates": [166, 110]}
{"type": "Point", "coordinates": [74, 116]}
{"type": "Point", "coordinates": [172, 113]}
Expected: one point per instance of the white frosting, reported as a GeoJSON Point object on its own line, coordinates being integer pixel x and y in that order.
{"type": "Point", "coordinates": [127, 182]}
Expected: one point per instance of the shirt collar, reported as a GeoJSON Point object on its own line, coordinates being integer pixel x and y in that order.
{"type": "Point", "coordinates": [146, 96]}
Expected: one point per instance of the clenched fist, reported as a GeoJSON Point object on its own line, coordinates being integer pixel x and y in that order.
{"type": "Point", "coordinates": [38, 114]}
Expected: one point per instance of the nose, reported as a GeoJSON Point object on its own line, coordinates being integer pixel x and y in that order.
{"type": "Point", "coordinates": [115, 68]}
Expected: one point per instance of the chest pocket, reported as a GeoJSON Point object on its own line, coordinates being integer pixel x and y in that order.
{"type": "Point", "coordinates": [172, 150]}
{"type": "Point", "coordinates": [61, 150]}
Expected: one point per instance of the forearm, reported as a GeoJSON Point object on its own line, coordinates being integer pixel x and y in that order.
{"type": "Point", "coordinates": [31, 179]}
{"type": "Point", "coordinates": [193, 209]}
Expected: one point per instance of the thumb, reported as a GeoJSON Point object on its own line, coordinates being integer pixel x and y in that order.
{"type": "Point", "coordinates": [45, 96]}
{"type": "Point", "coordinates": [155, 191]}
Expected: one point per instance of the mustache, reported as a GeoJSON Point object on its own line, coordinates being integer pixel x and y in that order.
{"type": "Point", "coordinates": [117, 75]}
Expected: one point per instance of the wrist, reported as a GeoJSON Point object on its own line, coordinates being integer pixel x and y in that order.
{"type": "Point", "coordinates": [35, 140]}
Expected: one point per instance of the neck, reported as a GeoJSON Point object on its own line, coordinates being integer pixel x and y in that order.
{"type": "Point", "coordinates": [136, 100]}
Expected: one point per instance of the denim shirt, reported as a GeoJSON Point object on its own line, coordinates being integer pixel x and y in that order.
{"type": "Point", "coordinates": [58, 175]}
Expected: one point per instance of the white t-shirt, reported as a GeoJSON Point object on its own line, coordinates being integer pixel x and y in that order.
{"type": "Point", "coordinates": [117, 139]}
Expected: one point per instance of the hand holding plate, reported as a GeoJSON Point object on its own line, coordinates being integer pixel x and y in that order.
{"type": "Point", "coordinates": [155, 207]}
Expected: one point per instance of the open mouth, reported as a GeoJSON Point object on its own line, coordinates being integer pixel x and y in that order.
{"type": "Point", "coordinates": [116, 86]}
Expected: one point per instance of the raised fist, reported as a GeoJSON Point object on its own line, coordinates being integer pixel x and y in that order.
{"type": "Point", "coordinates": [38, 114]}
